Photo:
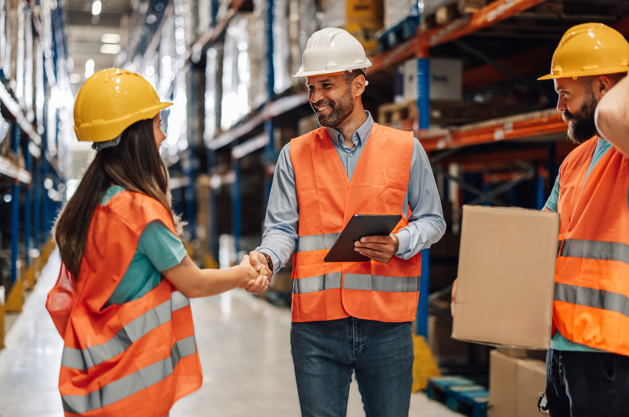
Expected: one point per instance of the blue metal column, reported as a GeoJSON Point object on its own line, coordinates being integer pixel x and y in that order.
{"type": "Point", "coordinates": [15, 209]}
{"type": "Point", "coordinates": [27, 221]}
{"type": "Point", "coordinates": [424, 288]}
{"type": "Point", "coordinates": [37, 184]}
{"type": "Point", "coordinates": [423, 107]}
{"type": "Point", "coordinates": [270, 156]}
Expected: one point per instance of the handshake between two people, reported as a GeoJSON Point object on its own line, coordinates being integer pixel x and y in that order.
{"type": "Point", "coordinates": [259, 273]}
{"type": "Point", "coordinates": [379, 248]}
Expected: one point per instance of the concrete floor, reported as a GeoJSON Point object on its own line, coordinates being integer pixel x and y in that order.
{"type": "Point", "coordinates": [243, 343]}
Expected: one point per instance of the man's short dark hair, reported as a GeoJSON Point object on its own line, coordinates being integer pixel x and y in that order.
{"type": "Point", "coordinates": [349, 76]}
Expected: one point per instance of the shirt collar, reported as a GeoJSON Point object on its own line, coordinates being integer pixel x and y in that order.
{"type": "Point", "coordinates": [360, 136]}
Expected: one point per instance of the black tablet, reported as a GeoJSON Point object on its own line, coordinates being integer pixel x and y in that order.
{"type": "Point", "coordinates": [361, 225]}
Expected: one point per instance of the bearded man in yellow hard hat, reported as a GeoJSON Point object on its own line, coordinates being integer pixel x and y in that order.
{"type": "Point", "coordinates": [588, 363]}
{"type": "Point", "coordinates": [350, 317]}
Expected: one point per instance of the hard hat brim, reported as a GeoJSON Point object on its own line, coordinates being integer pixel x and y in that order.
{"type": "Point", "coordinates": [330, 72]}
{"type": "Point", "coordinates": [580, 75]}
{"type": "Point", "coordinates": [86, 133]}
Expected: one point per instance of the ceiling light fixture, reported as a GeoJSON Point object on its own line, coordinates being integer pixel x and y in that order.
{"type": "Point", "coordinates": [89, 68]}
{"type": "Point", "coordinates": [110, 38]}
{"type": "Point", "coordinates": [109, 48]}
{"type": "Point", "coordinates": [96, 7]}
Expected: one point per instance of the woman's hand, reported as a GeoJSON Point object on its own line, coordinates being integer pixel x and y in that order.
{"type": "Point", "coordinates": [256, 280]}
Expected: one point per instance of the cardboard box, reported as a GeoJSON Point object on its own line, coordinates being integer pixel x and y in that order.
{"type": "Point", "coordinates": [515, 385]}
{"type": "Point", "coordinates": [506, 276]}
{"type": "Point", "coordinates": [445, 350]}
{"type": "Point", "coordinates": [531, 385]}
{"type": "Point", "coordinates": [503, 376]}
{"type": "Point", "coordinates": [445, 79]}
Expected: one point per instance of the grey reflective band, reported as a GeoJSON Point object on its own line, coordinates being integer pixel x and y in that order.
{"type": "Point", "coordinates": [381, 283]}
{"type": "Point", "coordinates": [316, 284]}
{"type": "Point", "coordinates": [316, 242]}
{"type": "Point", "coordinates": [594, 249]}
{"type": "Point", "coordinates": [130, 384]}
{"type": "Point", "coordinates": [356, 282]}
{"type": "Point", "coordinates": [590, 297]}
{"type": "Point", "coordinates": [152, 319]}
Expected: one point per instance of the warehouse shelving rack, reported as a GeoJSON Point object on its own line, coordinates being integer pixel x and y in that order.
{"type": "Point", "coordinates": [41, 177]}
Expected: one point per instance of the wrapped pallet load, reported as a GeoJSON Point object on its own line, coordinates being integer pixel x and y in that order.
{"type": "Point", "coordinates": [361, 18]}
{"type": "Point", "coordinates": [242, 46]}
{"type": "Point", "coordinates": [293, 23]}
{"type": "Point", "coordinates": [213, 91]}
{"type": "Point", "coordinates": [397, 10]}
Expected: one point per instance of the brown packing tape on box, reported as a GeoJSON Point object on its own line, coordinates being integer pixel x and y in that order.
{"type": "Point", "coordinates": [506, 277]}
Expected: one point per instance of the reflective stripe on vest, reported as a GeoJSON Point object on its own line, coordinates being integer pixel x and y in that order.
{"type": "Point", "coordinates": [130, 384]}
{"type": "Point", "coordinates": [355, 282]}
{"type": "Point", "coordinates": [317, 283]}
{"type": "Point", "coordinates": [594, 249]}
{"type": "Point", "coordinates": [381, 283]}
{"type": "Point", "coordinates": [84, 359]}
{"type": "Point", "coordinates": [316, 242]}
{"type": "Point", "coordinates": [590, 297]}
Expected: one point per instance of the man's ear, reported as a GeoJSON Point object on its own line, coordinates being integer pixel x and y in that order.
{"type": "Point", "coordinates": [602, 85]}
{"type": "Point", "coordinates": [358, 85]}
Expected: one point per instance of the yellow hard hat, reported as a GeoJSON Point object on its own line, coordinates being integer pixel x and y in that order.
{"type": "Point", "coordinates": [112, 100]}
{"type": "Point", "coordinates": [589, 49]}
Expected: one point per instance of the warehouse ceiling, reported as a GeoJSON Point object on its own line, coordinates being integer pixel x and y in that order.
{"type": "Point", "coordinates": [86, 33]}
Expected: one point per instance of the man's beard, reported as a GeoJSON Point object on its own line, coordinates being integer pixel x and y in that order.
{"type": "Point", "coordinates": [581, 125]}
{"type": "Point", "coordinates": [340, 110]}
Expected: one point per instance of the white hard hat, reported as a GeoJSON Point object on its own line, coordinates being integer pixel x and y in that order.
{"type": "Point", "coordinates": [332, 50]}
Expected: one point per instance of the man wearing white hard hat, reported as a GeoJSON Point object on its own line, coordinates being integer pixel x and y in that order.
{"type": "Point", "coordinates": [350, 317]}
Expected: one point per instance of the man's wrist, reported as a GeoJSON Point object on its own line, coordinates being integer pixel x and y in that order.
{"type": "Point", "coordinates": [269, 261]}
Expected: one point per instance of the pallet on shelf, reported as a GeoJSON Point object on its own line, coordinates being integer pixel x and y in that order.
{"type": "Point", "coordinates": [459, 394]}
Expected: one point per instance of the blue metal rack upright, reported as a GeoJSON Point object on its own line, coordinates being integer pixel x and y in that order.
{"type": "Point", "coordinates": [15, 208]}
{"type": "Point", "coordinates": [423, 107]}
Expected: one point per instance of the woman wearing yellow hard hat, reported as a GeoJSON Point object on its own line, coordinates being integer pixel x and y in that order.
{"type": "Point", "coordinates": [121, 302]}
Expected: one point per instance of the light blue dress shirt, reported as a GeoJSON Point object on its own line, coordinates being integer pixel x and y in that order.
{"type": "Point", "coordinates": [426, 225]}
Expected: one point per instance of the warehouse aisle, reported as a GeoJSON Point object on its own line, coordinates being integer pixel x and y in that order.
{"type": "Point", "coordinates": [244, 348]}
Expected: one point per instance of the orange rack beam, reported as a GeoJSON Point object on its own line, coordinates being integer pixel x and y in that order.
{"type": "Point", "coordinates": [418, 46]}
{"type": "Point", "coordinates": [507, 128]}
{"type": "Point", "coordinates": [489, 15]}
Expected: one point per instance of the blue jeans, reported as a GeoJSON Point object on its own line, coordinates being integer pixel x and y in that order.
{"type": "Point", "coordinates": [325, 353]}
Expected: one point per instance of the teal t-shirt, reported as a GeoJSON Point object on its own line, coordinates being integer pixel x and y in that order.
{"type": "Point", "coordinates": [158, 249]}
{"type": "Point", "coordinates": [559, 342]}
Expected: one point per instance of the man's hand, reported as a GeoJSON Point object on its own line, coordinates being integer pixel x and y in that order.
{"type": "Point", "coordinates": [453, 297]}
{"type": "Point", "coordinates": [258, 261]}
{"type": "Point", "coordinates": [379, 248]}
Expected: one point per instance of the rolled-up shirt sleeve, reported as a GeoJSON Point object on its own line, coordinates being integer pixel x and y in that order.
{"type": "Point", "coordinates": [426, 224]}
{"type": "Point", "coordinates": [282, 214]}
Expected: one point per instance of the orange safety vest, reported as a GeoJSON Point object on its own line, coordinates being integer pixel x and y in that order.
{"type": "Point", "coordinates": [327, 201]}
{"type": "Point", "coordinates": [134, 359]}
{"type": "Point", "coordinates": [592, 275]}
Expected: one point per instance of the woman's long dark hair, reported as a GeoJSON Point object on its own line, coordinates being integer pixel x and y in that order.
{"type": "Point", "coordinates": [135, 164]}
